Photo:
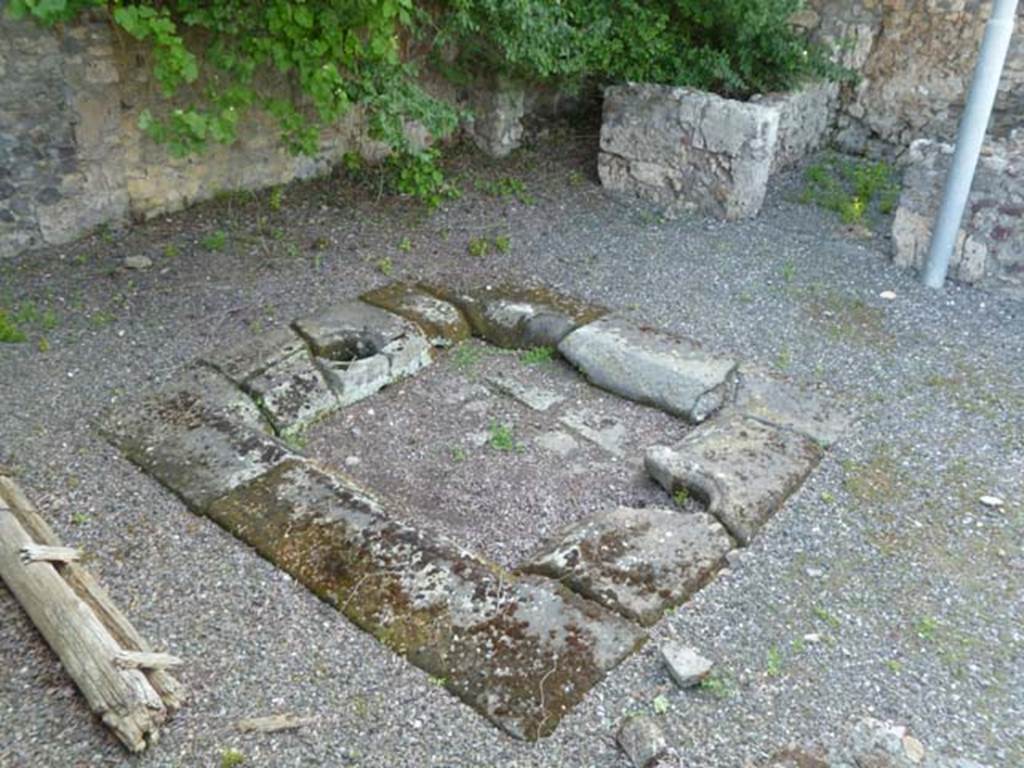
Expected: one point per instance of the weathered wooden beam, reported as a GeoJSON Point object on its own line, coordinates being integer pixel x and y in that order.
{"type": "Point", "coordinates": [146, 660]}
{"type": "Point", "coordinates": [90, 592]}
{"type": "Point", "coordinates": [82, 626]}
{"type": "Point", "coordinates": [43, 553]}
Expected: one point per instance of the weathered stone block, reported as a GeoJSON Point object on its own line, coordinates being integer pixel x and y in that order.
{"type": "Point", "coordinates": [292, 393]}
{"type": "Point", "coordinates": [806, 117]}
{"type": "Point", "coordinates": [361, 349]}
{"type": "Point", "coordinates": [498, 106]}
{"type": "Point", "coordinates": [650, 366]}
{"type": "Point", "coordinates": [637, 562]}
{"type": "Point", "coordinates": [687, 149]}
{"type": "Point", "coordinates": [520, 650]}
{"type": "Point", "coordinates": [990, 247]}
{"type": "Point", "coordinates": [253, 356]}
{"type": "Point", "coordinates": [442, 323]}
{"type": "Point", "coordinates": [741, 468]}
{"type": "Point", "coordinates": [762, 396]}
{"type": "Point", "coordinates": [518, 318]}
{"type": "Point", "coordinates": [200, 437]}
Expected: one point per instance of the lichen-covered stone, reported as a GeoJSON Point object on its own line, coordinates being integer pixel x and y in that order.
{"type": "Point", "coordinates": [643, 741]}
{"type": "Point", "coordinates": [637, 562]}
{"type": "Point", "coordinates": [362, 348]}
{"type": "Point", "coordinates": [741, 468]}
{"type": "Point", "coordinates": [650, 366]}
{"type": "Point", "coordinates": [766, 398]}
{"type": "Point", "coordinates": [292, 393]}
{"type": "Point", "coordinates": [242, 361]}
{"type": "Point", "coordinates": [200, 437]}
{"type": "Point", "coordinates": [521, 650]}
{"type": "Point", "coordinates": [442, 323]}
{"type": "Point", "coordinates": [518, 318]}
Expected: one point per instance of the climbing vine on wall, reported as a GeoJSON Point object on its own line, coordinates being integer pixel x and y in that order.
{"type": "Point", "coordinates": [342, 53]}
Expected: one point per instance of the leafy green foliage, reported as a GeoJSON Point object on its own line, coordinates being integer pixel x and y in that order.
{"type": "Point", "coordinates": [214, 60]}
{"type": "Point", "coordinates": [10, 332]}
{"type": "Point", "coordinates": [537, 355]}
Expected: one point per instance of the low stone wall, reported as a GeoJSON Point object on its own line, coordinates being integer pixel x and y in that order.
{"type": "Point", "coordinates": [72, 156]}
{"type": "Point", "coordinates": [990, 246]}
{"type": "Point", "coordinates": [691, 150]}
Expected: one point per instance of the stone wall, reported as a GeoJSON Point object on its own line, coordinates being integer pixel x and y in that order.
{"type": "Point", "coordinates": [72, 156]}
{"type": "Point", "coordinates": [990, 246]}
{"type": "Point", "coordinates": [915, 58]}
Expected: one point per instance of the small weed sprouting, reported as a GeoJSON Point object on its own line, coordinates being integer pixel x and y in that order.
{"type": "Point", "coordinates": [458, 454]}
{"type": "Point", "coordinates": [405, 245]}
{"type": "Point", "coordinates": [717, 684]}
{"type": "Point", "coordinates": [660, 705]}
{"type": "Point", "coordinates": [681, 496]}
{"type": "Point", "coordinates": [466, 356]}
{"type": "Point", "coordinates": [537, 355]}
{"type": "Point", "coordinates": [502, 243]}
{"type": "Point", "coordinates": [851, 188]}
{"type": "Point", "coordinates": [478, 247]}
{"type": "Point", "coordinates": [79, 518]}
{"type": "Point", "coordinates": [276, 199]}
{"type": "Point", "coordinates": [500, 437]}
{"type": "Point", "coordinates": [215, 241]}
{"type": "Point", "coordinates": [171, 251]}
{"type": "Point", "coordinates": [823, 614]}
{"type": "Point", "coordinates": [506, 187]}
{"type": "Point", "coordinates": [231, 758]}
{"type": "Point", "coordinates": [385, 267]}
{"type": "Point", "coordinates": [10, 333]}
{"type": "Point", "coordinates": [773, 666]}
{"type": "Point", "coordinates": [926, 627]}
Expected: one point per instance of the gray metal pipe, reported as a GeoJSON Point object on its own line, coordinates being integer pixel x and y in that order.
{"type": "Point", "coordinates": [970, 137]}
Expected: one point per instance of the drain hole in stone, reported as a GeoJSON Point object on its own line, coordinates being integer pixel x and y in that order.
{"type": "Point", "coordinates": [352, 348]}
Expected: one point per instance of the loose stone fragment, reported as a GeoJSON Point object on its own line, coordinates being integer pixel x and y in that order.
{"type": "Point", "coordinates": [650, 366]}
{"type": "Point", "coordinates": [519, 318]}
{"type": "Point", "coordinates": [292, 393]}
{"type": "Point", "coordinates": [638, 562]}
{"type": "Point", "coordinates": [442, 323]}
{"type": "Point", "coordinates": [138, 262]}
{"type": "Point", "coordinates": [641, 738]}
{"type": "Point", "coordinates": [765, 398]}
{"type": "Point", "coordinates": [241, 362]}
{"type": "Point", "coordinates": [741, 468]}
{"type": "Point", "coordinates": [532, 397]}
{"type": "Point", "coordinates": [521, 650]}
{"type": "Point", "coordinates": [686, 666]}
{"type": "Point", "coordinates": [993, 502]}
{"type": "Point", "coordinates": [556, 442]}
{"type": "Point", "coordinates": [603, 431]}
{"type": "Point", "coordinates": [201, 437]}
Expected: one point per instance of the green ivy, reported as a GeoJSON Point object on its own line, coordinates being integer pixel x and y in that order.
{"type": "Point", "coordinates": [218, 59]}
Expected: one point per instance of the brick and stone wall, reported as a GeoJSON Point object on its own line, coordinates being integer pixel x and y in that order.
{"type": "Point", "coordinates": [915, 59]}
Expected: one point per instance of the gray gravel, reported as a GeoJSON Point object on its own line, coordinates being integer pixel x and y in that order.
{"type": "Point", "coordinates": [883, 588]}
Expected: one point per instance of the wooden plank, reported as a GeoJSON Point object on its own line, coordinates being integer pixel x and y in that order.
{"type": "Point", "coordinates": [171, 691]}
{"type": "Point", "coordinates": [123, 698]}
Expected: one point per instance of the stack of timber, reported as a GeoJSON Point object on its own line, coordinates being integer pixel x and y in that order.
{"type": "Point", "coordinates": [123, 681]}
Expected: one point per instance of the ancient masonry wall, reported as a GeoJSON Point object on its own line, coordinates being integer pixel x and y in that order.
{"type": "Point", "coordinates": [915, 59]}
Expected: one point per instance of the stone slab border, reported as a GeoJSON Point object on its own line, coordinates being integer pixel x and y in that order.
{"type": "Point", "coordinates": [524, 646]}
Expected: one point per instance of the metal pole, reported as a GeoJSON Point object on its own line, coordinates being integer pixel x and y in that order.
{"type": "Point", "coordinates": [969, 139]}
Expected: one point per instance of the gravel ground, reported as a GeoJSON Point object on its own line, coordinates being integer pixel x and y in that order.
{"type": "Point", "coordinates": [883, 587]}
{"type": "Point", "coordinates": [448, 452]}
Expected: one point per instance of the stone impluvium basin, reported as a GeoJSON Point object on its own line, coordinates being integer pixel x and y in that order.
{"type": "Point", "coordinates": [521, 646]}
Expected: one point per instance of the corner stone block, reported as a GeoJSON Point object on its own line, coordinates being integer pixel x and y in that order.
{"type": "Point", "coordinates": [200, 437]}
{"type": "Point", "coordinates": [518, 318]}
{"type": "Point", "coordinates": [520, 650]}
{"type": "Point", "coordinates": [636, 562]}
{"type": "Point", "coordinates": [764, 397]}
{"type": "Point", "coordinates": [742, 469]}
{"type": "Point", "coordinates": [241, 362]}
{"type": "Point", "coordinates": [442, 323]}
{"type": "Point", "coordinates": [651, 367]}
{"type": "Point", "coordinates": [361, 348]}
{"type": "Point", "coordinates": [293, 393]}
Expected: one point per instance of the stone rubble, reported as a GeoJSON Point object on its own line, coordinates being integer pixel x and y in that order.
{"type": "Point", "coordinates": [643, 741]}
{"type": "Point", "coordinates": [687, 667]}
